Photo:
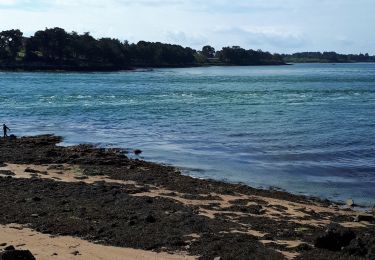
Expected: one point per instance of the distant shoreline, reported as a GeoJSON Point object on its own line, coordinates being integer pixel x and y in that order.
{"type": "Point", "coordinates": [63, 68]}
{"type": "Point", "coordinates": [48, 68]}
{"type": "Point", "coordinates": [55, 49]}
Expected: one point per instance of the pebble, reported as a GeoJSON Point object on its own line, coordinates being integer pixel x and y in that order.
{"type": "Point", "coordinates": [36, 199]}
{"type": "Point", "coordinates": [75, 253]}
{"type": "Point", "coordinates": [3, 244]}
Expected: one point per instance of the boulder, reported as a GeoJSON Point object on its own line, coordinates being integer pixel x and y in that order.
{"type": "Point", "coordinates": [11, 253]}
{"type": "Point", "coordinates": [335, 238]}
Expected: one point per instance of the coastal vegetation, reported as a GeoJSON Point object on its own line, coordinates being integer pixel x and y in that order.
{"type": "Point", "coordinates": [56, 49]}
{"type": "Point", "coordinates": [326, 57]}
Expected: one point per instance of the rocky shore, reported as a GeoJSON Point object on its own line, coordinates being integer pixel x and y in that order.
{"type": "Point", "coordinates": [107, 199]}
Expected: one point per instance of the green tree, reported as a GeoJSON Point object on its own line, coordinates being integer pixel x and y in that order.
{"type": "Point", "coordinates": [11, 42]}
{"type": "Point", "coordinates": [208, 51]}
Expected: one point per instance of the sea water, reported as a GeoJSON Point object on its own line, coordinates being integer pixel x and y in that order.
{"type": "Point", "coordinates": [307, 128]}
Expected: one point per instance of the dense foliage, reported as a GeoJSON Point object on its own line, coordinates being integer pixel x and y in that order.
{"type": "Point", "coordinates": [326, 57]}
{"type": "Point", "coordinates": [237, 55]}
{"type": "Point", "coordinates": [53, 49]}
{"type": "Point", "coordinates": [56, 49]}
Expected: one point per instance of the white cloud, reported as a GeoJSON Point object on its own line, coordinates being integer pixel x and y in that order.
{"type": "Point", "coordinates": [8, 2]}
{"type": "Point", "coordinates": [275, 25]}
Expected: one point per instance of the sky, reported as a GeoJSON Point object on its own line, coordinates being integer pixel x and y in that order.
{"type": "Point", "coordinates": [283, 26]}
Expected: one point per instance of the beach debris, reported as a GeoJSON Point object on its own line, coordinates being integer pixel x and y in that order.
{"type": "Point", "coordinates": [302, 229]}
{"type": "Point", "coordinates": [335, 238]}
{"type": "Point", "coordinates": [350, 203]}
{"type": "Point", "coordinates": [137, 151]}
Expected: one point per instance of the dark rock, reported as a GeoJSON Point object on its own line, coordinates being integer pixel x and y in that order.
{"type": "Point", "coordinates": [268, 237]}
{"type": "Point", "coordinates": [81, 177]}
{"type": "Point", "coordinates": [150, 219]}
{"type": "Point", "coordinates": [303, 247]}
{"type": "Point", "coordinates": [3, 244]}
{"type": "Point", "coordinates": [8, 248]}
{"type": "Point", "coordinates": [7, 173]}
{"type": "Point", "coordinates": [335, 238]}
{"type": "Point", "coordinates": [16, 255]}
{"type": "Point", "coordinates": [36, 199]}
{"type": "Point", "coordinates": [360, 218]}
{"type": "Point", "coordinates": [356, 247]}
{"type": "Point", "coordinates": [75, 253]}
{"type": "Point", "coordinates": [30, 170]}
{"type": "Point", "coordinates": [12, 137]}
{"type": "Point", "coordinates": [138, 152]}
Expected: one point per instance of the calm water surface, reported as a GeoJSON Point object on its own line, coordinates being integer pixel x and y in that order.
{"type": "Point", "coordinates": [309, 129]}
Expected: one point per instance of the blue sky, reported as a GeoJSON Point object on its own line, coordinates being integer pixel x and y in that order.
{"type": "Point", "coordinates": [284, 26]}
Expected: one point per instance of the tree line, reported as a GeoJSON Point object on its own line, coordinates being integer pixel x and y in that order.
{"type": "Point", "coordinates": [54, 49]}
{"type": "Point", "coordinates": [326, 57]}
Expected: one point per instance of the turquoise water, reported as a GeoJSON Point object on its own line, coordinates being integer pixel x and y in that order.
{"type": "Point", "coordinates": [307, 128]}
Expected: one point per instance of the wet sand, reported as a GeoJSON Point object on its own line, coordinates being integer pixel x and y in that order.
{"type": "Point", "coordinates": [111, 203]}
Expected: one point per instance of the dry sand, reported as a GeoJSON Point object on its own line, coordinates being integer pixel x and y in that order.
{"type": "Point", "coordinates": [45, 247]}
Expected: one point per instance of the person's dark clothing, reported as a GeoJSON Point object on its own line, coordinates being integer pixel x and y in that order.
{"type": "Point", "coordinates": [5, 129]}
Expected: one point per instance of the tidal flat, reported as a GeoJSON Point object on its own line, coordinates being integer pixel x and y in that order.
{"type": "Point", "coordinates": [104, 198]}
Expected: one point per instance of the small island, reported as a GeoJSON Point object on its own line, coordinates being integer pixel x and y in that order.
{"type": "Point", "coordinates": [55, 49]}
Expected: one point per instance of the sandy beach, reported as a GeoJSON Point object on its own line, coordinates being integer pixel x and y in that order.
{"type": "Point", "coordinates": [85, 202]}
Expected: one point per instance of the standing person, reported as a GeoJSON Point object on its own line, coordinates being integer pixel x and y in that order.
{"type": "Point", "coordinates": [5, 129]}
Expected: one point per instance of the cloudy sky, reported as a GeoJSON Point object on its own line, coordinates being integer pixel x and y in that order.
{"type": "Point", "coordinates": [284, 26]}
